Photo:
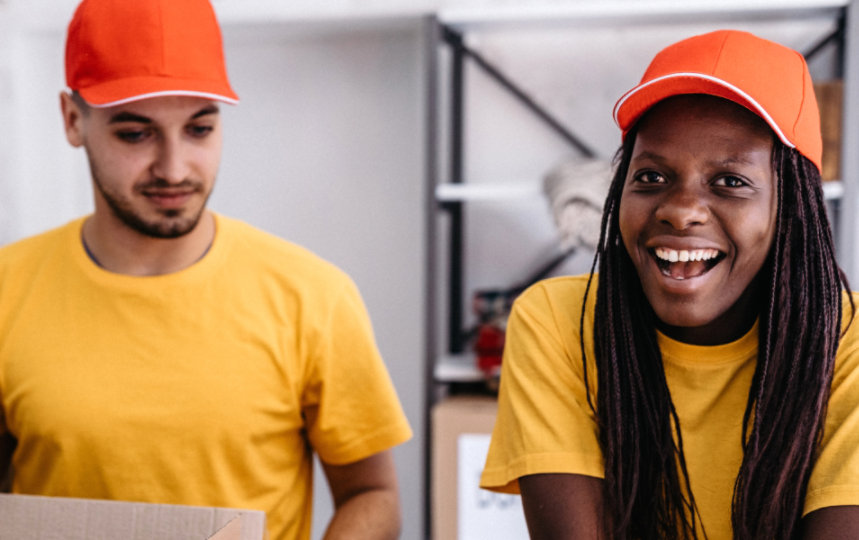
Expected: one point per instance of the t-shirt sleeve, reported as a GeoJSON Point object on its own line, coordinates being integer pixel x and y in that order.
{"type": "Point", "coordinates": [835, 477]}
{"type": "Point", "coordinates": [350, 405]}
{"type": "Point", "coordinates": [3, 428]}
{"type": "Point", "coordinates": [544, 424]}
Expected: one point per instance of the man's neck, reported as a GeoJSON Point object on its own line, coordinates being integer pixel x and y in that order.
{"type": "Point", "coordinates": [122, 250]}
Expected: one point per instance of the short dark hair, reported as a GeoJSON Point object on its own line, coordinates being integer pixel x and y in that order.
{"type": "Point", "coordinates": [81, 102]}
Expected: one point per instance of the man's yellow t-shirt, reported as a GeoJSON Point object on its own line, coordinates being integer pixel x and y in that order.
{"type": "Point", "coordinates": [545, 424]}
{"type": "Point", "coordinates": [210, 386]}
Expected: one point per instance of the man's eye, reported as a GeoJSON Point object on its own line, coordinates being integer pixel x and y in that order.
{"type": "Point", "coordinates": [200, 131]}
{"type": "Point", "coordinates": [132, 136]}
{"type": "Point", "coordinates": [731, 181]}
{"type": "Point", "coordinates": [650, 177]}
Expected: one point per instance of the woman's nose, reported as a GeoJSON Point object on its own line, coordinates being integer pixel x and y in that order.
{"type": "Point", "coordinates": [683, 207]}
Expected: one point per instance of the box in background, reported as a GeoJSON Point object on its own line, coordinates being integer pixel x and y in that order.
{"type": "Point", "coordinates": [462, 426]}
{"type": "Point", "coordinates": [29, 517]}
{"type": "Point", "coordinates": [830, 99]}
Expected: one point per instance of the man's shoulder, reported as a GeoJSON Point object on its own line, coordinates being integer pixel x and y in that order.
{"type": "Point", "coordinates": [37, 246]}
{"type": "Point", "coordinates": [265, 251]}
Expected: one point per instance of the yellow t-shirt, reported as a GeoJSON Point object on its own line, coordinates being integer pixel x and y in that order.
{"type": "Point", "coordinates": [209, 386]}
{"type": "Point", "coordinates": [545, 424]}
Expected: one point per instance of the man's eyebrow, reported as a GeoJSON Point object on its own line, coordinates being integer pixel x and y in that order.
{"type": "Point", "coordinates": [210, 109]}
{"type": "Point", "coordinates": [121, 117]}
{"type": "Point", "coordinates": [126, 116]}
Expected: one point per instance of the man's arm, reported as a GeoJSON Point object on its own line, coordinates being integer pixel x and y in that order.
{"type": "Point", "coordinates": [563, 506]}
{"type": "Point", "coordinates": [833, 523]}
{"type": "Point", "coordinates": [7, 446]}
{"type": "Point", "coordinates": [366, 499]}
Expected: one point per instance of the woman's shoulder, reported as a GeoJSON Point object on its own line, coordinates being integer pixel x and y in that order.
{"type": "Point", "coordinates": [849, 315]}
{"type": "Point", "coordinates": [848, 346]}
{"type": "Point", "coordinates": [559, 299]}
{"type": "Point", "coordinates": [561, 288]}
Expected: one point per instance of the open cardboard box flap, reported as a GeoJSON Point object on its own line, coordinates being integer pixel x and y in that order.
{"type": "Point", "coordinates": [28, 517]}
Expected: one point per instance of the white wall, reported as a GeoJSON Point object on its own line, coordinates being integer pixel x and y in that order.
{"type": "Point", "coordinates": [326, 150]}
{"type": "Point", "coordinates": [43, 182]}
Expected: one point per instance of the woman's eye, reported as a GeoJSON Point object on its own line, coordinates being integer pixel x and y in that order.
{"type": "Point", "coordinates": [650, 177]}
{"type": "Point", "coordinates": [731, 181]}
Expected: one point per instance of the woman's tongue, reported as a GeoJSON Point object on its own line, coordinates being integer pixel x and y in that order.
{"type": "Point", "coordinates": [684, 270]}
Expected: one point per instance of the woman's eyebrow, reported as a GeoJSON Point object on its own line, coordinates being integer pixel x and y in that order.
{"type": "Point", "coordinates": [647, 154]}
{"type": "Point", "coordinates": [734, 159]}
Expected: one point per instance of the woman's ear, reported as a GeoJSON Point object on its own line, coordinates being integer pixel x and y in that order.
{"type": "Point", "coordinates": [73, 118]}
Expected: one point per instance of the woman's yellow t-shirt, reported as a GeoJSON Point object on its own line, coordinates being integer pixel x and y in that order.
{"type": "Point", "coordinates": [545, 424]}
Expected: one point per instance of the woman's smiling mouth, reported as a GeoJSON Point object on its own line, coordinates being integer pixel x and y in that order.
{"type": "Point", "coordinates": [685, 263]}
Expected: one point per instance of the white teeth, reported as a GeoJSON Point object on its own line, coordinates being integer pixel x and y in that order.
{"type": "Point", "coordinates": [685, 255]}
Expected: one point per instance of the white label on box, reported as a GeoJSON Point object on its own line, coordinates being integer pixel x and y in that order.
{"type": "Point", "coordinates": [483, 515]}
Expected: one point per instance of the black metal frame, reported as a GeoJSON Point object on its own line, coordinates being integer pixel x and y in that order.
{"type": "Point", "coordinates": [457, 335]}
{"type": "Point", "coordinates": [836, 37]}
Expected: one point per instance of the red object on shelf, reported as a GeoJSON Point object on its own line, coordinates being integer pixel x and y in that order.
{"type": "Point", "coordinates": [489, 348]}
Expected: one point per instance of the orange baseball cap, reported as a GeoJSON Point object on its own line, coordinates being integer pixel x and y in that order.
{"type": "Point", "coordinates": [767, 78]}
{"type": "Point", "coordinates": [118, 51]}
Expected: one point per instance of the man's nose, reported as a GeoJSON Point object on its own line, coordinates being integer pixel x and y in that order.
{"type": "Point", "coordinates": [171, 163]}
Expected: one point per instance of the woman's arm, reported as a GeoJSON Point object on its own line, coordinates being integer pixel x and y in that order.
{"type": "Point", "coordinates": [832, 523]}
{"type": "Point", "coordinates": [563, 506]}
{"type": "Point", "coordinates": [7, 447]}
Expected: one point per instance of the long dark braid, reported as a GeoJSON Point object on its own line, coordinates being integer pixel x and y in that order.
{"type": "Point", "coordinates": [800, 327]}
{"type": "Point", "coordinates": [636, 417]}
{"type": "Point", "coordinates": [647, 488]}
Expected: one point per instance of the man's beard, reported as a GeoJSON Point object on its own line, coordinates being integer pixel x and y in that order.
{"type": "Point", "coordinates": [171, 226]}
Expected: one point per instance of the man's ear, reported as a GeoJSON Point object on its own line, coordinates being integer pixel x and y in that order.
{"type": "Point", "coordinates": [73, 118]}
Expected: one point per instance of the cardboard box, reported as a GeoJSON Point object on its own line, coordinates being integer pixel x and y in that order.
{"type": "Point", "coordinates": [27, 517]}
{"type": "Point", "coordinates": [461, 428]}
{"type": "Point", "coordinates": [830, 100]}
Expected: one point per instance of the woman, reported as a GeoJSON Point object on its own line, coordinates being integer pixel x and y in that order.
{"type": "Point", "coordinates": [702, 385]}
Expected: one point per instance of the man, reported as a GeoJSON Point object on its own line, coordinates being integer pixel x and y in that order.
{"type": "Point", "coordinates": [156, 351]}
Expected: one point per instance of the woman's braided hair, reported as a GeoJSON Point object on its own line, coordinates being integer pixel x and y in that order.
{"type": "Point", "coordinates": [647, 490]}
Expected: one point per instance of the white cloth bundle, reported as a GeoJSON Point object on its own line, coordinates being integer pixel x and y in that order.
{"type": "Point", "coordinates": [576, 191]}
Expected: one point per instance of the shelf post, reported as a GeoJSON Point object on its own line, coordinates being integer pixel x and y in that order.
{"type": "Point", "coordinates": [456, 272]}
{"type": "Point", "coordinates": [848, 230]}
